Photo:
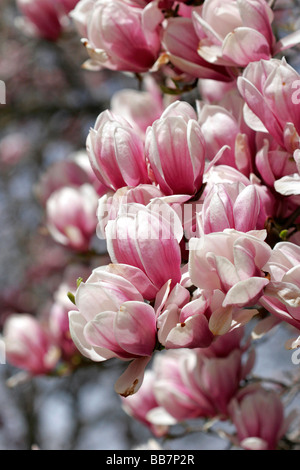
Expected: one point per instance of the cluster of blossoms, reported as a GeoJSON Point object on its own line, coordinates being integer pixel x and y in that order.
{"type": "Point", "coordinates": [208, 383]}
{"type": "Point", "coordinates": [198, 205]}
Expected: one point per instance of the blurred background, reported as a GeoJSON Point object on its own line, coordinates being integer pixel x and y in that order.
{"type": "Point", "coordinates": [51, 102]}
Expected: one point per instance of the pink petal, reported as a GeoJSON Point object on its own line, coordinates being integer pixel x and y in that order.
{"type": "Point", "coordinates": [131, 380]}
{"type": "Point", "coordinates": [135, 328]}
{"type": "Point", "coordinates": [193, 333]}
{"type": "Point", "coordinates": [220, 321]}
{"type": "Point", "coordinates": [77, 324]}
{"type": "Point", "coordinates": [287, 42]}
{"type": "Point", "coordinates": [100, 333]}
{"type": "Point", "coordinates": [257, 103]}
{"type": "Point", "coordinates": [245, 45]}
{"type": "Point", "coordinates": [245, 292]}
{"type": "Point", "coordinates": [92, 299]}
{"type": "Point", "coordinates": [137, 277]}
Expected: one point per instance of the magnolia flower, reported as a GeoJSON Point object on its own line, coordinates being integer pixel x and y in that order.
{"type": "Point", "coordinates": [269, 88]}
{"type": "Point", "coordinates": [28, 345]}
{"type": "Point", "coordinates": [258, 415]}
{"type": "Point", "coordinates": [71, 216]}
{"type": "Point", "coordinates": [273, 163]}
{"type": "Point", "coordinates": [113, 320]}
{"type": "Point", "coordinates": [116, 152]}
{"type": "Point", "coordinates": [233, 262]}
{"type": "Point", "coordinates": [230, 205]}
{"type": "Point", "coordinates": [175, 148]}
{"type": "Point", "coordinates": [224, 175]}
{"type": "Point", "coordinates": [58, 321]}
{"type": "Point", "coordinates": [119, 37]}
{"type": "Point", "coordinates": [236, 32]}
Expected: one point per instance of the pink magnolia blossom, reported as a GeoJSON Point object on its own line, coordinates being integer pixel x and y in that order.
{"type": "Point", "coordinates": [230, 205]}
{"type": "Point", "coordinates": [258, 415]}
{"type": "Point", "coordinates": [282, 295]}
{"type": "Point", "coordinates": [198, 383]}
{"type": "Point", "coordinates": [224, 174]}
{"type": "Point", "coordinates": [112, 320]}
{"type": "Point", "coordinates": [28, 345]}
{"type": "Point", "coordinates": [147, 237]}
{"type": "Point", "coordinates": [116, 152]}
{"type": "Point", "coordinates": [234, 33]}
{"type": "Point", "coordinates": [71, 216]}
{"type": "Point", "coordinates": [46, 17]}
{"type": "Point", "coordinates": [119, 37]}
{"type": "Point", "coordinates": [175, 148]}
{"type": "Point", "coordinates": [268, 88]}
{"type": "Point", "coordinates": [233, 262]}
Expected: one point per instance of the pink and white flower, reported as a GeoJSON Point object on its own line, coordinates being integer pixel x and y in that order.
{"type": "Point", "coordinates": [233, 262]}
{"type": "Point", "coordinates": [71, 216]}
{"type": "Point", "coordinates": [28, 345]}
{"type": "Point", "coordinates": [258, 415]}
{"type": "Point", "coordinates": [113, 320]}
{"type": "Point", "coordinates": [120, 38]}
{"type": "Point", "coordinates": [268, 88]}
{"type": "Point", "coordinates": [116, 152]}
{"type": "Point", "coordinates": [175, 148]}
{"type": "Point", "coordinates": [230, 205]}
{"type": "Point", "coordinates": [237, 32]}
